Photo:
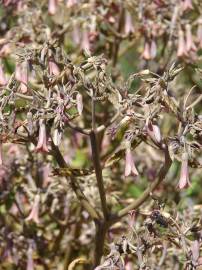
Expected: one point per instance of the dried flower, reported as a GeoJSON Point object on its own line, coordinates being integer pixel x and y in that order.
{"type": "Point", "coordinates": [184, 173]}
{"type": "Point", "coordinates": [129, 28]}
{"type": "Point", "coordinates": [21, 74]}
{"type": "Point", "coordinates": [42, 140]}
{"type": "Point", "coordinates": [129, 163]}
{"type": "Point", "coordinates": [34, 214]}
{"type": "Point", "coordinates": [3, 80]}
{"type": "Point", "coordinates": [79, 102]}
{"type": "Point", "coordinates": [181, 51]}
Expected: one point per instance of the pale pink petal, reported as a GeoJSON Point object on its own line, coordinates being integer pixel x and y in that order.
{"type": "Point", "coordinates": [187, 4]}
{"type": "Point", "coordinates": [181, 44]}
{"type": "Point", "coordinates": [30, 262]}
{"type": "Point", "coordinates": [3, 80]}
{"type": "Point", "coordinates": [189, 40]}
{"type": "Point", "coordinates": [129, 164]}
{"type": "Point", "coordinates": [53, 68]}
{"type": "Point", "coordinates": [79, 102]}
{"type": "Point", "coordinates": [34, 214]}
{"type": "Point", "coordinates": [153, 49]}
{"type": "Point", "coordinates": [42, 140]}
{"type": "Point", "coordinates": [85, 42]}
{"type": "Point", "coordinates": [195, 249]}
{"type": "Point", "coordinates": [129, 28]}
{"type": "Point", "coordinates": [199, 33]}
{"type": "Point", "coordinates": [154, 132]}
{"type": "Point", "coordinates": [184, 172]}
{"type": "Point", "coordinates": [146, 53]}
{"type": "Point", "coordinates": [52, 7]}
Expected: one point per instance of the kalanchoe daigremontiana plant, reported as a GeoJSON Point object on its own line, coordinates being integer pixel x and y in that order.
{"type": "Point", "coordinates": [100, 134]}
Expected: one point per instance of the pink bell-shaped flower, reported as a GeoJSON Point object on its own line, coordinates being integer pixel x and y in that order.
{"type": "Point", "coordinates": [184, 173]}
{"type": "Point", "coordinates": [3, 80]}
{"type": "Point", "coordinates": [154, 132]}
{"type": "Point", "coordinates": [52, 7]}
{"type": "Point", "coordinates": [130, 168]}
{"type": "Point", "coordinates": [79, 102]}
{"type": "Point", "coordinates": [189, 40]}
{"type": "Point", "coordinates": [129, 28]}
{"type": "Point", "coordinates": [42, 140]}
{"type": "Point", "coordinates": [181, 51]}
{"type": "Point", "coordinates": [34, 214]}
{"type": "Point", "coordinates": [21, 74]}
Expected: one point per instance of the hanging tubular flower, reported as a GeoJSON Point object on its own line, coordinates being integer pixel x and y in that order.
{"type": "Point", "coordinates": [53, 68]}
{"type": "Point", "coordinates": [153, 131]}
{"type": "Point", "coordinates": [42, 140]}
{"type": "Point", "coordinates": [1, 159]}
{"type": "Point", "coordinates": [129, 28]}
{"type": "Point", "coordinates": [85, 42]}
{"type": "Point", "coordinates": [153, 49]}
{"type": "Point", "coordinates": [21, 74]}
{"type": "Point", "coordinates": [3, 80]}
{"type": "Point", "coordinates": [189, 40]}
{"type": "Point", "coordinates": [130, 168]}
{"type": "Point", "coordinates": [146, 53]}
{"type": "Point", "coordinates": [187, 4]}
{"type": "Point", "coordinates": [184, 173]}
{"type": "Point", "coordinates": [199, 32]}
{"type": "Point", "coordinates": [30, 262]}
{"type": "Point", "coordinates": [181, 44]}
{"type": "Point", "coordinates": [79, 103]}
{"type": "Point", "coordinates": [34, 214]}
{"type": "Point", "coordinates": [52, 7]}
